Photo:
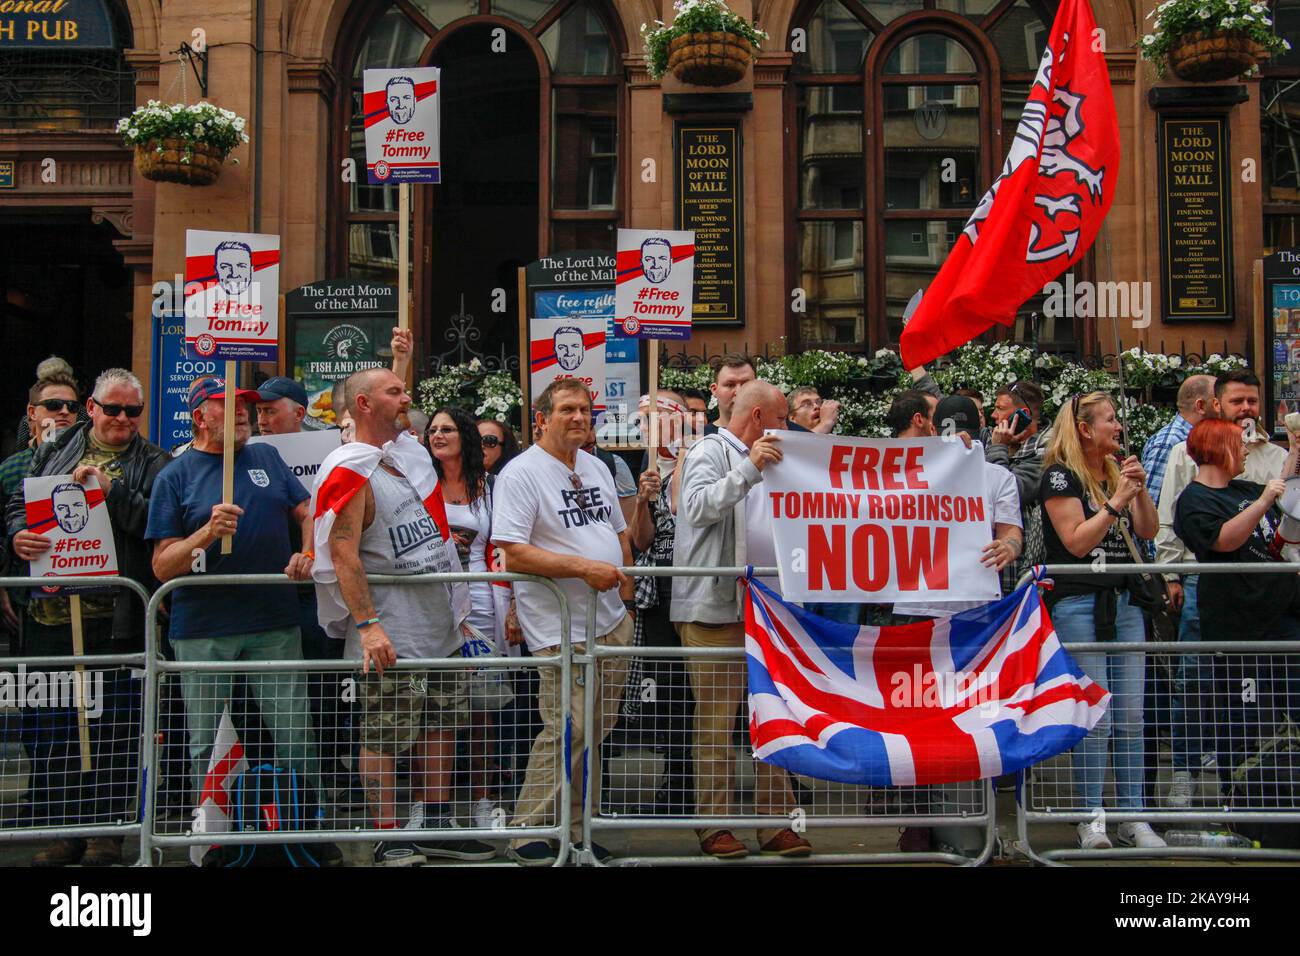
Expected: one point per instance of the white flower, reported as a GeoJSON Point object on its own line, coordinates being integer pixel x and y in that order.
{"type": "Point", "coordinates": [1204, 13]}
{"type": "Point", "coordinates": [132, 133]}
{"type": "Point", "coordinates": [1256, 8]}
{"type": "Point", "coordinates": [1286, 44]}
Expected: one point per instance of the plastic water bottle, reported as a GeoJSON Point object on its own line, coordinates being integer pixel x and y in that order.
{"type": "Point", "coordinates": [1205, 838]}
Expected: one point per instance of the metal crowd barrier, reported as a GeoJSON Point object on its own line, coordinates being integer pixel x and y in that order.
{"type": "Point", "coordinates": [158, 832]}
{"type": "Point", "coordinates": [1223, 730]}
{"type": "Point", "coordinates": [63, 744]}
{"type": "Point", "coordinates": [807, 804]}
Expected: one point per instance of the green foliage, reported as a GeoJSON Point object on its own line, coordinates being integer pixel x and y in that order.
{"type": "Point", "coordinates": [200, 123]}
{"type": "Point", "coordinates": [694, 16]}
{"type": "Point", "coordinates": [1175, 19]}
{"type": "Point", "coordinates": [469, 386]}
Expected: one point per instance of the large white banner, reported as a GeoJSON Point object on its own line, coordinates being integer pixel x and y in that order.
{"type": "Point", "coordinates": [879, 520]}
{"type": "Point", "coordinates": [401, 121]}
{"type": "Point", "coordinates": [568, 348]}
{"type": "Point", "coordinates": [232, 295]}
{"type": "Point", "coordinates": [303, 451]}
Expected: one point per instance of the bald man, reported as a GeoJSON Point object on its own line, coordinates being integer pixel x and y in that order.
{"type": "Point", "coordinates": [721, 522]}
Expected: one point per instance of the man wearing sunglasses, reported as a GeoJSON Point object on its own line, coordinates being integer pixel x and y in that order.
{"type": "Point", "coordinates": [109, 449]}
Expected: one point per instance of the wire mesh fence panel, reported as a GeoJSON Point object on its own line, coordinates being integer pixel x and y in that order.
{"type": "Point", "coordinates": [413, 759]}
{"type": "Point", "coordinates": [69, 747]}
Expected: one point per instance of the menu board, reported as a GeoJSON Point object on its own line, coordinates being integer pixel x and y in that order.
{"type": "Point", "coordinates": [709, 200]}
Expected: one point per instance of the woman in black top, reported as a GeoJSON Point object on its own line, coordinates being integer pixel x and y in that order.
{"type": "Point", "coordinates": [1084, 495]}
{"type": "Point", "coordinates": [1224, 519]}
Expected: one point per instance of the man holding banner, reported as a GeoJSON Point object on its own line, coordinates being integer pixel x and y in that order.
{"type": "Point", "coordinates": [109, 450]}
{"type": "Point", "coordinates": [719, 524]}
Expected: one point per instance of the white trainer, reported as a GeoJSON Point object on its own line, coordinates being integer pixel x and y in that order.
{"type": "Point", "coordinates": [1092, 836]}
{"type": "Point", "coordinates": [1180, 791]}
{"type": "Point", "coordinates": [1141, 836]}
{"type": "Point", "coordinates": [485, 814]}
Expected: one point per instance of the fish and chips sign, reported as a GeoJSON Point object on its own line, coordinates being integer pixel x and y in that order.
{"type": "Point", "coordinates": [878, 520]}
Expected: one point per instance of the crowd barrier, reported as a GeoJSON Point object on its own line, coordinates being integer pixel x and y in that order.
{"type": "Point", "coordinates": [71, 737]}
{"type": "Point", "coordinates": [645, 776]}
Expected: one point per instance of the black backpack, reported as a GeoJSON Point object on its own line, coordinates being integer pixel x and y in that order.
{"type": "Point", "coordinates": [265, 799]}
{"type": "Point", "coordinates": [1269, 779]}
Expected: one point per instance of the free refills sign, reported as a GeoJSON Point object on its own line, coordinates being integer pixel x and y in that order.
{"type": "Point", "coordinates": [232, 295]}
{"type": "Point", "coordinates": [400, 112]}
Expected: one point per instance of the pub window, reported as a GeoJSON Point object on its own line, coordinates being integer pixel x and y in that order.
{"type": "Point", "coordinates": [1280, 130]}
{"type": "Point", "coordinates": [874, 216]}
{"type": "Point", "coordinates": [70, 87]}
{"type": "Point", "coordinates": [583, 124]}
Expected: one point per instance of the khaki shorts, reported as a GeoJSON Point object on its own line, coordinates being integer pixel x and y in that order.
{"type": "Point", "coordinates": [398, 708]}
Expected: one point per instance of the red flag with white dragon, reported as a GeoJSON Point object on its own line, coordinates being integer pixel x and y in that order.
{"type": "Point", "coordinates": [1044, 210]}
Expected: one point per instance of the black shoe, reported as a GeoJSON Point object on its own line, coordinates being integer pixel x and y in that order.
{"type": "Point", "coordinates": [602, 855]}
{"type": "Point", "coordinates": [453, 849]}
{"type": "Point", "coordinates": [398, 854]}
{"type": "Point", "coordinates": [536, 853]}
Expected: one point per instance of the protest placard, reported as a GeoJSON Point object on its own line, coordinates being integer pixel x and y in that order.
{"type": "Point", "coordinates": [74, 518]}
{"type": "Point", "coordinates": [654, 283]}
{"type": "Point", "coordinates": [400, 112]}
{"type": "Point", "coordinates": [568, 348]}
{"type": "Point", "coordinates": [232, 296]}
{"type": "Point", "coordinates": [303, 451]}
{"type": "Point", "coordinates": [869, 519]}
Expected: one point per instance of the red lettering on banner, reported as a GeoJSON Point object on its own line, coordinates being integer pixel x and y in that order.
{"type": "Point", "coordinates": [865, 460]}
{"type": "Point", "coordinates": [890, 468]}
{"type": "Point", "coordinates": [870, 557]}
{"type": "Point", "coordinates": [909, 507]}
{"type": "Point", "coordinates": [814, 504]}
{"type": "Point", "coordinates": [839, 464]}
{"type": "Point", "coordinates": [976, 508]}
{"type": "Point", "coordinates": [875, 509]}
{"type": "Point", "coordinates": [913, 468]}
{"type": "Point", "coordinates": [836, 508]}
{"type": "Point", "coordinates": [919, 558]}
{"type": "Point", "coordinates": [776, 503]}
{"type": "Point", "coordinates": [826, 556]}
{"type": "Point", "coordinates": [892, 509]}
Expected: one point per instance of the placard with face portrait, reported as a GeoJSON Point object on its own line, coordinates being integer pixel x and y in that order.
{"type": "Point", "coordinates": [400, 112]}
{"type": "Point", "coordinates": [73, 516]}
{"type": "Point", "coordinates": [568, 348]}
{"type": "Point", "coordinates": [232, 296]}
{"type": "Point", "coordinates": [655, 283]}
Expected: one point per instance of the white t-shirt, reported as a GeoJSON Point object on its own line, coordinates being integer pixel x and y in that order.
{"type": "Point", "coordinates": [535, 503]}
{"type": "Point", "coordinates": [1003, 508]}
{"type": "Point", "coordinates": [474, 523]}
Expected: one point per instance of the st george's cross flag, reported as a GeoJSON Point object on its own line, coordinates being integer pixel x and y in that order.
{"type": "Point", "coordinates": [227, 762]}
{"type": "Point", "coordinates": [342, 474]}
{"type": "Point", "coordinates": [985, 692]}
{"type": "Point", "coordinates": [1044, 210]}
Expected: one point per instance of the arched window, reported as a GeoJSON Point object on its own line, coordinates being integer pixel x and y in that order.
{"type": "Point", "coordinates": [1279, 98]}
{"type": "Point", "coordinates": [531, 115]}
{"type": "Point", "coordinates": [899, 107]}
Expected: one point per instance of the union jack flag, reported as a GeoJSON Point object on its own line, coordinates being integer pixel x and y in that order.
{"type": "Point", "coordinates": [985, 692]}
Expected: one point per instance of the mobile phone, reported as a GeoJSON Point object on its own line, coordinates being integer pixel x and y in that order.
{"type": "Point", "coordinates": [1020, 421]}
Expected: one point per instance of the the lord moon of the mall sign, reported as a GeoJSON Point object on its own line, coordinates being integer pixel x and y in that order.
{"type": "Point", "coordinates": [708, 193]}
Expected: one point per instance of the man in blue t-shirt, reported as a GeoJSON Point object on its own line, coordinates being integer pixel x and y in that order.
{"type": "Point", "coordinates": [187, 521]}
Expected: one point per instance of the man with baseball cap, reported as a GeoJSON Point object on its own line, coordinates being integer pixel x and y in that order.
{"type": "Point", "coordinates": [281, 406]}
{"type": "Point", "coordinates": [187, 521]}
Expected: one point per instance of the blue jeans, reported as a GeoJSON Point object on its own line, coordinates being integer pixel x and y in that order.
{"type": "Point", "coordinates": [1191, 711]}
{"type": "Point", "coordinates": [1120, 728]}
{"type": "Point", "coordinates": [845, 613]}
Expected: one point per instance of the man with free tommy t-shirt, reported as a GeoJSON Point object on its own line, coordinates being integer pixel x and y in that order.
{"type": "Point", "coordinates": [252, 623]}
{"type": "Point", "coordinates": [557, 515]}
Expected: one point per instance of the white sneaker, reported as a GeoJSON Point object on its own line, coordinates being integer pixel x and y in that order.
{"type": "Point", "coordinates": [485, 814]}
{"type": "Point", "coordinates": [1141, 836]}
{"type": "Point", "coordinates": [1092, 836]}
{"type": "Point", "coordinates": [1180, 791]}
{"type": "Point", "coordinates": [415, 818]}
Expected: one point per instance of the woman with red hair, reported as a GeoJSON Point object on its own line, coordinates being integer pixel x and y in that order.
{"type": "Point", "coordinates": [1225, 519]}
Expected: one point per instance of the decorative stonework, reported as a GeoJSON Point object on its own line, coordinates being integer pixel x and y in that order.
{"type": "Point", "coordinates": [312, 76]}
{"type": "Point", "coordinates": [120, 216]}
{"type": "Point", "coordinates": [1122, 67]}
{"type": "Point", "coordinates": [772, 69]}
{"type": "Point", "coordinates": [638, 71]}
{"type": "Point", "coordinates": [146, 66]}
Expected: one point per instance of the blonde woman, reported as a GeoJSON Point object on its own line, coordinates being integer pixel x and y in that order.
{"type": "Point", "coordinates": [1085, 494]}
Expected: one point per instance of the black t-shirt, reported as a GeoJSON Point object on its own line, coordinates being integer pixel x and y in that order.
{"type": "Point", "coordinates": [1234, 606]}
{"type": "Point", "coordinates": [1059, 482]}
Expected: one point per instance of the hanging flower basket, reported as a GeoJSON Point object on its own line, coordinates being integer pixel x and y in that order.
{"type": "Point", "coordinates": [709, 59]}
{"type": "Point", "coordinates": [180, 143]}
{"type": "Point", "coordinates": [1205, 57]}
{"type": "Point", "coordinates": [707, 44]}
{"type": "Point", "coordinates": [179, 161]}
{"type": "Point", "coordinates": [1206, 40]}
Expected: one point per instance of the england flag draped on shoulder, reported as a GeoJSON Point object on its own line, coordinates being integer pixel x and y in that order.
{"type": "Point", "coordinates": [342, 474]}
{"type": "Point", "coordinates": [983, 693]}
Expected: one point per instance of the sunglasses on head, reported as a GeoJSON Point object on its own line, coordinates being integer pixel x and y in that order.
{"type": "Point", "coordinates": [490, 441]}
{"type": "Point", "coordinates": [58, 404]}
{"type": "Point", "coordinates": [112, 410]}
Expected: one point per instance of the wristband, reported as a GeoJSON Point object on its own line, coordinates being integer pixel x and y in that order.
{"type": "Point", "coordinates": [311, 555]}
{"type": "Point", "coordinates": [1108, 507]}
{"type": "Point", "coordinates": [373, 620]}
